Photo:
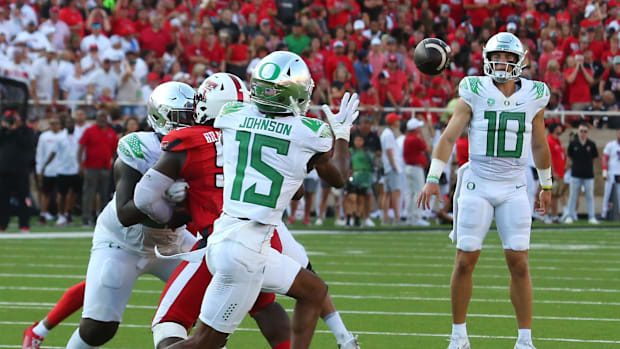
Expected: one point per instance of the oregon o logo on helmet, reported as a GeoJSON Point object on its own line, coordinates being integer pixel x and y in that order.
{"type": "Point", "coordinates": [264, 71]}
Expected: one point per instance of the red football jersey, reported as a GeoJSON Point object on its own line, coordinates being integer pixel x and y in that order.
{"type": "Point", "coordinates": [202, 171]}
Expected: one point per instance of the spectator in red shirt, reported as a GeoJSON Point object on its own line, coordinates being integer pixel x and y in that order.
{"type": "Point", "coordinates": [570, 44]}
{"type": "Point", "coordinates": [558, 166]}
{"type": "Point", "coordinates": [376, 58]}
{"type": "Point", "coordinates": [415, 152]}
{"type": "Point", "coordinates": [121, 24]}
{"type": "Point", "coordinates": [97, 147]}
{"type": "Point", "coordinates": [214, 51]}
{"type": "Point", "coordinates": [238, 56]}
{"type": "Point", "coordinates": [196, 51]}
{"type": "Point", "coordinates": [608, 55]}
{"type": "Point", "coordinates": [338, 58]}
{"type": "Point", "coordinates": [73, 17]}
{"type": "Point", "coordinates": [397, 84]}
{"type": "Point", "coordinates": [554, 77]}
{"type": "Point", "coordinates": [479, 10]}
{"type": "Point", "coordinates": [339, 12]}
{"type": "Point", "coordinates": [265, 9]}
{"type": "Point", "coordinates": [155, 38]}
{"type": "Point", "coordinates": [369, 99]}
{"type": "Point", "coordinates": [462, 148]}
{"type": "Point", "coordinates": [579, 79]}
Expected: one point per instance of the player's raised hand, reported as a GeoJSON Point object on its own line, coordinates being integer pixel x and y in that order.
{"type": "Point", "coordinates": [429, 189]}
{"type": "Point", "coordinates": [342, 121]}
{"type": "Point", "coordinates": [544, 202]}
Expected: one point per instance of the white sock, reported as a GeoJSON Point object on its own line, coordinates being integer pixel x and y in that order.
{"type": "Point", "coordinates": [459, 330]}
{"type": "Point", "coordinates": [335, 324]}
{"type": "Point", "coordinates": [40, 329]}
{"type": "Point", "coordinates": [525, 335]}
{"type": "Point", "coordinates": [76, 342]}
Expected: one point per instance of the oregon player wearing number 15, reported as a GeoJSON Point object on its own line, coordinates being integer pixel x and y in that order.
{"type": "Point", "coordinates": [505, 114]}
{"type": "Point", "coordinates": [268, 149]}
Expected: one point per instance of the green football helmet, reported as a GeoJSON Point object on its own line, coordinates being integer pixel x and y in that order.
{"type": "Point", "coordinates": [281, 84]}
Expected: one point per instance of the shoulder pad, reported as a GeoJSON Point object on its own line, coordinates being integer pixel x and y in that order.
{"type": "Point", "coordinates": [189, 137]}
{"type": "Point", "coordinates": [232, 107]}
{"type": "Point", "coordinates": [313, 124]}
{"type": "Point", "coordinates": [540, 89]}
{"type": "Point", "coordinates": [472, 84]}
{"type": "Point", "coordinates": [131, 146]}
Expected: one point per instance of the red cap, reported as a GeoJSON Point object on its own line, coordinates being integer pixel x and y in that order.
{"type": "Point", "coordinates": [392, 118]}
{"type": "Point", "coordinates": [392, 58]}
{"type": "Point", "coordinates": [54, 9]}
{"type": "Point", "coordinates": [93, 46]}
{"type": "Point", "coordinates": [152, 76]}
{"type": "Point", "coordinates": [166, 78]}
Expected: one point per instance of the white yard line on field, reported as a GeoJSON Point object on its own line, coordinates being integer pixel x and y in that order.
{"type": "Point", "coordinates": [323, 272]}
{"type": "Point", "coordinates": [37, 305]}
{"type": "Point", "coordinates": [371, 333]}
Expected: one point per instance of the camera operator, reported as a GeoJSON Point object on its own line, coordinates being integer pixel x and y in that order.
{"type": "Point", "coordinates": [16, 159]}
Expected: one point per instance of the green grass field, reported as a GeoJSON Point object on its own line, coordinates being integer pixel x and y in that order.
{"type": "Point", "coordinates": [391, 288]}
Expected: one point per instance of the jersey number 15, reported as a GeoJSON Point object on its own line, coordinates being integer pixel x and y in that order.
{"type": "Point", "coordinates": [250, 195]}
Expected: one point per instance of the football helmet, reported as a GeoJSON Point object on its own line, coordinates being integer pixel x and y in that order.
{"type": "Point", "coordinates": [505, 42]}
{"type": "Point", "coordinates": [281, 84]}
{"type": "Point", "coordinates": [170, 105]}
{"type": "Point", "coordinates": [217, 90]}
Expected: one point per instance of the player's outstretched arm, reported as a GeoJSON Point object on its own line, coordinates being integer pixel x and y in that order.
{"type": "Point", "coordinates": [542, 160]}
{"type": "Point", "coordinates": [126, 179]}
{"type": "Point", "coordinates": [443, 149]}
{"type": "Point", "coordinates": [340, 123]}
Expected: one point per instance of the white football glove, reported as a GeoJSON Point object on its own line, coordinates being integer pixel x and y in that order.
{"type": "Point", "coordinates": [176, 192]}
{"type": "Point", "coordinates": [341, 122]}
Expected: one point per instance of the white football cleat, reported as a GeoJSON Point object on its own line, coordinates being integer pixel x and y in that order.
{"type": "Point", "coordinates": [524, 345]}
{"type": "Point", "coordinates": [62, 221]}
{"type": "Point", "coordinates": [351, 343]}
{"type": "Point", "coordinates": [369, 223]}
{"type": "Point", "coordinates": [568, 220]}
{"type": "Point", "coordinates": [457, 342]}
{"type": "Point", "coordinates": [339, 222]}
{"type": "Point", "coordinates": [593, 221]}
{"type": "Point", "coordinates": [319, 221]}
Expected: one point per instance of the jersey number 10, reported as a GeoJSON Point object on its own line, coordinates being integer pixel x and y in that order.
{"type": "Point", "coordinates": [250, 195]}
{"type": "Point", "coordinates": [500, 150]}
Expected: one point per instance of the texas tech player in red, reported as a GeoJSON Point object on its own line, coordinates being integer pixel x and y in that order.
{"type": "Point", "coordinates": [191, 154]}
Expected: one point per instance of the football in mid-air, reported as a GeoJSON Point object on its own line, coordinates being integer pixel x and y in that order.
{"type": "Point", "coordinates": [432, 56]}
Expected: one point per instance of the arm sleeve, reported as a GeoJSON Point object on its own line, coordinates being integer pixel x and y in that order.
{"type": "Point", "coordinates": [148, 196]}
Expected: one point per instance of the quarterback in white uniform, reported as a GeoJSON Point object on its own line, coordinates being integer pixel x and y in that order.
{"type": "Point", "coordinates": [269, 148]}
{"type": "Point", "coordinates": [122, 248]}
{"type": "Point", "coordinates": [505, 114]}
{"type": "Point", "coordinates": [611, 173]}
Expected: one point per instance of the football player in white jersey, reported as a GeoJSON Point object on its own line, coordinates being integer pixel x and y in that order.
{"type": "Point", "coordinates": [124, 239]}
{"type": "Point", "coordinates": [505, 114]}
{"type": "Point", "coordinates": [611, 173]}
{"type": "Point", "coordinates": [269, 148]}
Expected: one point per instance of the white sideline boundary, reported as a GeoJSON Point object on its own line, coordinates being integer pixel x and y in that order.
{"type": "Point", "coordinates": [370, 333]}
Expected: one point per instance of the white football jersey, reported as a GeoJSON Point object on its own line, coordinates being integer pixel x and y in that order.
{"type": "Point", "coordinates": [140, 151]}
{"type": "Point", "coordinates": [265, 159]}
{"type": "Point", "coordinates": [612, 149]}
{"type": "Point", "coordinates": [500, 129]}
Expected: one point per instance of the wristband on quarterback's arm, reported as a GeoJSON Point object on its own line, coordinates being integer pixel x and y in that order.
{"type": "Point", "coordinates": [435, 171]}
{"type": "Point", "coordinates": [545, 178]}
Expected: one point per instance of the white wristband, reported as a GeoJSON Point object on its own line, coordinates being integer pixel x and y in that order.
{"type": "Point", "coordinates": [544, 176]}
{"type": "Point", "coordinates": [435, 171]}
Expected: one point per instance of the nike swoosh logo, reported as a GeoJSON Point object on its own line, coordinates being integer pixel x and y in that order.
{"type": "Point", "coordinates": [518, 104]}
{"type": "Point", "coordinates": [520, 186]}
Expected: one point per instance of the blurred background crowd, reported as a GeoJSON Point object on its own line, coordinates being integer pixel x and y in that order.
{"type": "Point", "coordinates": [93, 64]}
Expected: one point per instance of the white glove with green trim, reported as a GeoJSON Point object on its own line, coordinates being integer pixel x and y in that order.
{"type": "Point", "coordinates": [341, 122]}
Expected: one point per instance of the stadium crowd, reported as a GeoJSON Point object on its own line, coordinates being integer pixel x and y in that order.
{"type": "Point", "coordinates": [110, 55]}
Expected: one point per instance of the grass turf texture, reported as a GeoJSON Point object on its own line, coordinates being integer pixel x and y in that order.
{"type": "Point", "coordinates": [390, 287]}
